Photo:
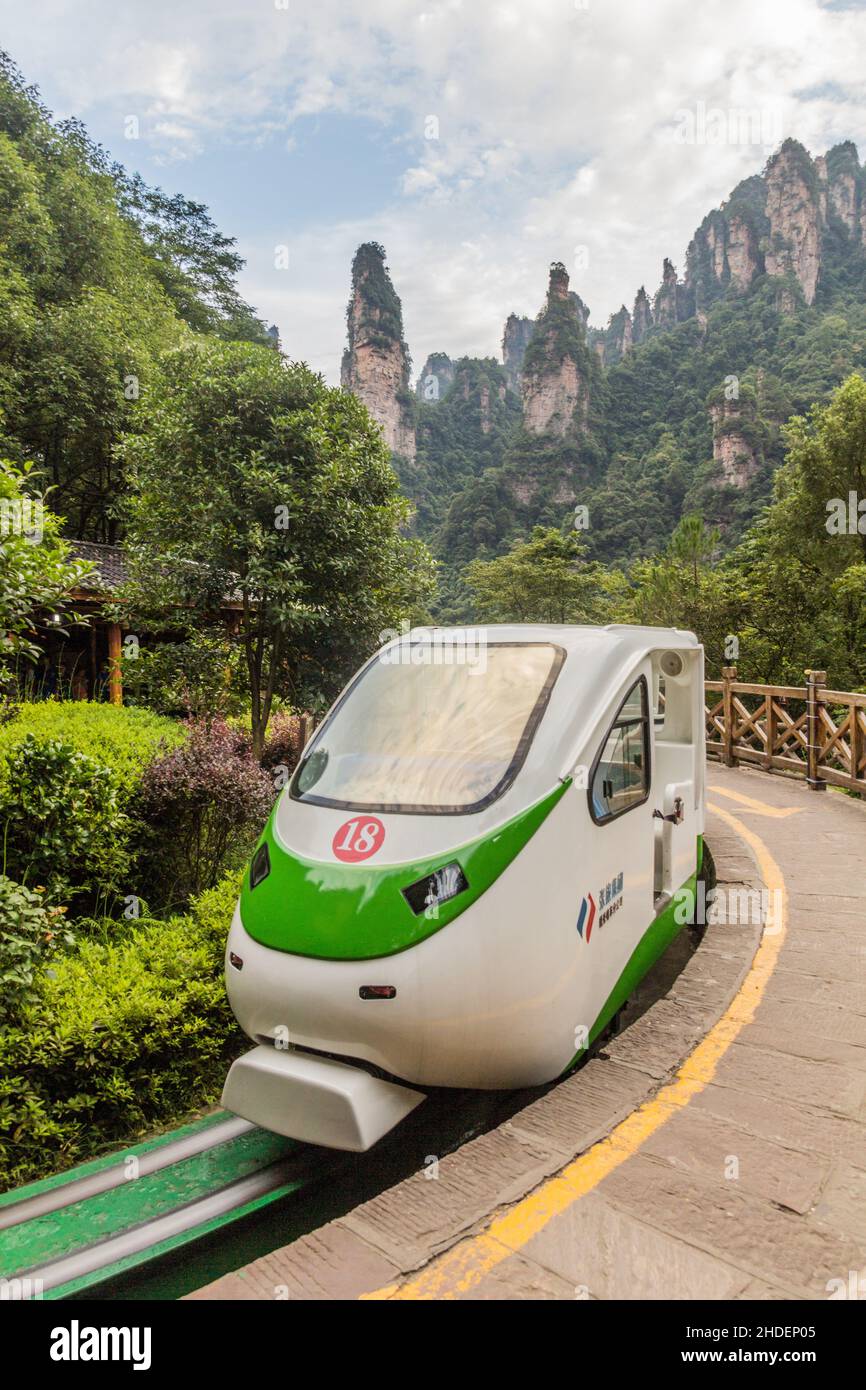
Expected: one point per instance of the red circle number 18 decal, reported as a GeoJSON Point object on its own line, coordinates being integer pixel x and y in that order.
{"type": "Point", "coordinates": [358, 839]}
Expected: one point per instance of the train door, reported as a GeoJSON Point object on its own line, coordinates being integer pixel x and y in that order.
{"type": "Point", "coordinates": [678, 777]}
{"type": "Point", "coordinates": [620, 841]}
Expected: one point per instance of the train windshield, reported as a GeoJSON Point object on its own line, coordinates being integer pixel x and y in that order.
{"type": "Point", "coordinates": [422, 730]}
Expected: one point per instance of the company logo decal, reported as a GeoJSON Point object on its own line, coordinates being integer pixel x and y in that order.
{"type": "Point", "coordinates": [358, 839]}
{"type": "Point", "coordinates": [586, 916]}
{"type": "Point", "coordinates": [610, 899]}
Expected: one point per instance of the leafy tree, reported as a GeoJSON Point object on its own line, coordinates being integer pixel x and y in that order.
{"type": "Point", "coordinates": [99, 275]}
{"type": "Point", "coordinates": [692, 545]}
{"type": "Point", "coordinates": [684, 588]}
{"type": "Point", "coordinates": [544, 580]}
{"type": "Point", "coordinates": [195, 263]}
{"type": "Point", "coordinates": [36, 574]}
{"type": "Point", "coordinates": [280, 502]}
{"type": "Point", "coordinates": [793, 592]}
{"type": "Point", "coordinates": [201, 676]}
{"type": "Point", "coordinates": [803, 565]}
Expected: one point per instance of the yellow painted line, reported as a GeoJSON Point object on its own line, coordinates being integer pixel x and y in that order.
{"type": "Point", "coordinates": [464, 1266]}
{"type": "Point", "coordinates": [760, 808]}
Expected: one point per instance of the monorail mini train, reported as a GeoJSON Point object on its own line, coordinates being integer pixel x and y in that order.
{"type": "Point", "coordinates": [476, 861]}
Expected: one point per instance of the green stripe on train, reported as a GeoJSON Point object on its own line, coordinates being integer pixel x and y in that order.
{"type": "Point", "coordinates": [358, 912]}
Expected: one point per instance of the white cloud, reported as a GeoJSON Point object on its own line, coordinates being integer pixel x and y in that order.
{"type": "Point", "coordinates": [556, 130]}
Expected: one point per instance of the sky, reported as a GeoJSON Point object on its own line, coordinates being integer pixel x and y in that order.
{"type": "Point", "coordinates": [478, 140]}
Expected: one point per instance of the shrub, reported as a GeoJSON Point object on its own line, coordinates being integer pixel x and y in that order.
{"type": "Point", "coordinates": [125, 1036]}
{"type": "Point", "coordinates": [61, 821]}
{"type": "Point", "coordinates": [30, 932]}
{"type": "Point", "coordinates": [122, 739]}
{"type": "Point", "coordinates": [205, 803]}
{"type": "Point", "coordinates": [70, 775]}
{"type": "Point", "coordinates": [283, 747]}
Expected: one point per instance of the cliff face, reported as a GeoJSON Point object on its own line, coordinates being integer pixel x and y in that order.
{"type": "Point", "coordinates": [549, 403]}
{"type": "Point", "coordinates": [436, 376]}
{"type": "Point", "coordinates": [376, 361]}
{"type": "Point", "coordinates": [776, 223]}
{"type": "Point", "coordinates": [706, 261]}
{"type": "Point", "coordinates": [735, 447]}
{"type": "Point", "coordinates": [555, 377]}
{"type": "Point", "coordinates": [582, 309]}
{"type": "Point", "coordinates": [593, 422]}
{"type": "Point", "coordinates": [743, 253]}
{"type": "Point", "coordinates": [794, 214]}
{"type": "Point", "coordinates": [723, 252]}
{"type": "Point", "coordinates": [515, 340]}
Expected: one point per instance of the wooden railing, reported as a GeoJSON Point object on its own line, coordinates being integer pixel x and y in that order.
{"type": "Point", "coordinates": [807, 730]}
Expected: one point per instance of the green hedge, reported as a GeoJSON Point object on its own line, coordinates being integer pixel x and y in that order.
{"type": "Point", "coordinates": [123, 739]}
{"type": "Point", "coordinates": [70, 789]}
{"type": "Point", "coordinates": [128, 1034]}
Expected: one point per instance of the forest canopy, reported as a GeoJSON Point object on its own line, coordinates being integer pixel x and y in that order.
{"type": "Point", "coordinates": [99, 276]}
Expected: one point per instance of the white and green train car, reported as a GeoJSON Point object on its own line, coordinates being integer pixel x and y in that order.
{"type": "Point", "coordinates": [476, 861]}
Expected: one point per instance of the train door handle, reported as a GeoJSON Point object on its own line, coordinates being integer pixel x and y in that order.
{"type": "Point", "coordinates": [677, 815]}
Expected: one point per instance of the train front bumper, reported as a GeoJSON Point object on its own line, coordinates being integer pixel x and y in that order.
{"type": "Point", "coordinates": [315, 1099]}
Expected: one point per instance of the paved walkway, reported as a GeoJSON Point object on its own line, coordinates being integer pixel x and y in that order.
{"type": "Point", "coordinates": [716, 1149]}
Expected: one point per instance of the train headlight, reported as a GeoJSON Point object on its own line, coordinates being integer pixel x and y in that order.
{"type": "Point", "coordinates": [435, 889]}
{"type": "Point", "coordinates": [260, 867]}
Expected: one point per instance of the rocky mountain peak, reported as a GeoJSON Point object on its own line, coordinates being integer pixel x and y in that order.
{"type": "Point", "coordinates": [556, 364]}
{"type": "Point", "coordinates": [641, 316]}
{"type": "Point", "coordinates": [775, 223]}
{"type": "Point", "coordinates": [376, 361]}
{"type": "Point", "coordinates": [558, 283]}
{"type": "Point", "coordinates": [436, 376]}
{"type": "Point", "coordinates": [617, 339]}
{"type": "Point", "coordinates": [841, 168]}
{"type": "Point", "coordinates": [666, 302]}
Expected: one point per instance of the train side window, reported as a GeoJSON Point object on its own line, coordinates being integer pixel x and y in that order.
{"type": "Point", "coordinates": [620, 776]}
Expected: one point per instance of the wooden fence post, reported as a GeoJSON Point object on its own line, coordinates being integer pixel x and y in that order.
{"type": "Point", "coordinates": [856, 753]}
{"type": "Point", "coordinates": [770, 725]}
{"type": "Point", "coordinates": [729, 675]}
{"type": "Point", "coordinates": [814, 679]}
